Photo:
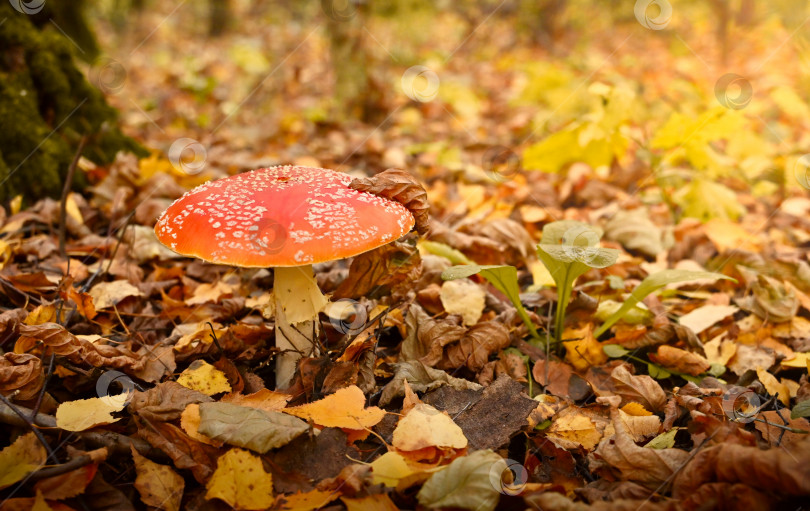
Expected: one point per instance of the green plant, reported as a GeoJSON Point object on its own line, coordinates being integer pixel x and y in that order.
{"type": "Point", "coordinates": [568, 249]}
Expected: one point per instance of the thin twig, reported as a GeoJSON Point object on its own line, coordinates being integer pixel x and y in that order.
{"type": "Point", "coordinates": [65, 192]}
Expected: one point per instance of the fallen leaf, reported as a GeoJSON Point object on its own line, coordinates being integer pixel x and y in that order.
{"type": "Point", "coordinates": [679, 360]}
{"type": "Point", "coordinates": [264, 399]}
{"type": "Point", "coordinates": [165, 401]}
{"type": "Point", "coordinates": [421, 378]}
{"type": "Point", "coordinates": [395, 471]}
{"type": "Point", "coordinates": [719, 351]}
{"type": "Point", "coordinates": [376, 502]}
{"type": "Point", "coordinates": [466, 483]}
{"type": "Point", "coordinates": [463, 297]}
{"type": "Point", "coordinates": [190, 422]}
{"type": "Point", "coordinates": [107, 294]}
{"type": "Point", "coordinates": [185, 452]}
{"type": "Point", "coordinates": [203, 377]}
{"type": "Point", "coordinates": [775, 435]}
{"type": "Point", "coordinates": [702, 318]}
{"type": "Point", "coordinates": [240, 481]}
{"type": "Point", "coordinates": [158, 485]}
{"type": "Point", "coordinates": [425, 426]}
{"type": "Point", "coordinates": [21, 372]}
{"type": "Point", "coordinates": [559, 375]}
{"type": "Point", "coordinates": [210, 292]}
{"type": "Point", "coordinates": [749, 357]}
{"type": "Point", "coordinates": [570, 429]}
{"type": "Point", "coordinates": [25, 455]}
{"type": "Point", "coordinates": [84, 414]}
{"type": "Point", "coordinates": [399, 185]}
{"type": "Point", "coordinates": [346, 408]}
{"type": "Point", "coordinates": [639, 388]}
{"type": "Point", "coordinates": [475, 347]}
{"type": "Point", "coordinates": [774, 386]}
{"type": "Point", "coordinates": [640, 427]}
{"type": "Point", "coordinates": [309, 501]}
{"type": "Point", "coordinates": [585, 351]}
{"type": "Point", "coordinates": [251, 428]}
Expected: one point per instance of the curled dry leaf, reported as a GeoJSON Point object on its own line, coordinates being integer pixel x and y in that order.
{"type": "Point", "coordinates": [401, 186]}
{"type": "Point", "coordinates": [648, 467]}
{"type": "Point", "coordinates": [679, 360]}
{"type": "Point", "coordinates": [165, 401]}
{"type": "Point", "coordinates": [639, 388]}
{"type": "Point", "coordinates": [392, 267]}
{"type": "Point", "coordinates": [426, 337]}
{"type": "Point", "coordinates": [479, 342]}
{"type": "Point", "coordinates": [185, 452]}
{"type": "Point", "coordinates": [421, 378]}
{"type": "Point", "coordinates": [511, 235]}
{"type": "Point", "coordinates": [21, 372]}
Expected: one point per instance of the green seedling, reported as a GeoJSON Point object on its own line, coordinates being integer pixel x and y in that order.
{"type": "Point", "coordinates": [568, 249]}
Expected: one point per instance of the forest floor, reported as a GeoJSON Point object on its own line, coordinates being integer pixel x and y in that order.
{"type": "Point", "coordinates": [655, 192]}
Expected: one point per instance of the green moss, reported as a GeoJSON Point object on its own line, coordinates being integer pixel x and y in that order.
{"type": "Point", "coordinates": [46, 106]}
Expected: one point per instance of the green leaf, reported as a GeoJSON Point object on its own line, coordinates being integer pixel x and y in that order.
{"type": "Point", "coordinates": [614, 350]}
{"type": "Point", "coordinates": [664, 440]}
{"type": "Point", "coordinates": [716, 370]}
{"type": "Point", "coordinates": [466, 483]}
{"type": "Point", "coordinates": [446, 251]}
{"type": "Point", "coordinates": [251, 428]}
{"type": "Point", "coordinates": [657, 372]}
{"type": "Point", "coordinates": [801, 410]}
{"type": "Point", "coordinates": [543, 425]}
{"type": "Point", "coordinates": [653, 283]}
{"type": "Point", "coordinates": [502, 277]}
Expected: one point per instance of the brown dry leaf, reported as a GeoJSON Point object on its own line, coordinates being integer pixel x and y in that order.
{"type": "Point", "coordinates": [420, 378]}
{"type": "Point", "coordinates": [346, 408]}
{"type": "Point", "coordinates": [390, 268]}
{"type": "Point", "coordinates": [679, 360]}
{"type": "Point", "coordinates": [165, 401]}
{"type": "Point", "coordinates": [423, 427]}
{"type": "Point", "coordinates": [211, 292]}
{"type": "Point", "coordinates": [377, 502]}
{"type": "Point", "coordinates": [45, 313]}
{"type": "Point", "coordinates": [559, 374]}
{"type": "Point", "coordinates": [584, 352]}
{"type": "Point", "coordinates": [159, 486]}
{"type": "Point", "coordinates": [185, 452]}
{"type": "Point", "coordinates": [640, 427]}
{"type": "Point", "coordinates": [426, 337]}
{"type": "Point", "coordinates": [648, 467]}
{"type": "Point", "coordinates": [264, 399]}
{"type": "Point", "coordinates": [107, 294]}
{"type": "Point", "coordinates": [517, 242]}
{"type": "Point", "coordinates": [203, 377]}
{"type": "Point", "coordinates": [84, 414]}
{"type": "Point", "coordinates": [639, 388]}
{"type": "Point", "coordinates": [399, 185]}
{"type": "Point", "coordinates": [240, 481]}
{"type": "Point", "coordinates": [774, 386]}
{"type": "Point", "coordinates": [748, 357]}
{"type": "Point", "coordinates": [478, 343]}
{"type": "Point", "coordinates": [21, 372]}
{"type": "Point", "coordinates": [571, 429]}
{"type": "Point", "coordinates": [25, 455]}
{"type": "Point", "coordinates": [775, 435]}
{"type": "Point", "coordinates": [158, 362]}
{"type": "Point", "coordinates": [781, 471]}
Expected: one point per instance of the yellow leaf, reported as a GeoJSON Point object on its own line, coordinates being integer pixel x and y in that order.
{"type": "Point", "coordinates": [88, 413]}
{"type": "Point", "coordinates": [159, 485]}
{"type": "Point", "coordinates": [25, 455]}
{"type": "Point", "coordinates": [799, 360]}
{"type": "Point", "coordinates": [425, 426]}
{"type": "Point", "coordinates": [72, 209]}
{"type": "Point", "coordinates": [40, 504]}
{"type": "Point", "coordinates": [377, 502]}
{"type": "Point", "coordinates": [264, 399]}
{"type": "Point", "coordinates": [190, 422]}
{"type": "Point", "coordinates": [5, 253]}
{"type": "Point", "coordinates": [343, 409]}
{"type": "Point", "coordinates": [584, 352]}
{"type": "Point", "coordinates": [308, 501]}
{"type": "Point", "coordinates": [15, 204]}
{"type": "Point", "coordinates": [571, 430]}
{"type": "Point", "coordinates": [772, 385]}
{"type": "Point", "coordinates": [463, 297]}
{"type": "Point", "coordinates": [210, 293]}
{"type": "Point", "coordinates": [719, 350]}
{"type": "Point", "coordinates": [635, 409]}
{"type": "Point", "coordinates": [240, 481]}
{"type": "Point", "coordinates": [45, 313]}
{"type": "Point", "coordinates": [395, 471]}
{"type": "Point", "coordinates": [205, 378]}
{"type": "Point", "coordinates": [640, 426]}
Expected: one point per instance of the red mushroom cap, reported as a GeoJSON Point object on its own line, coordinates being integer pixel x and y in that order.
{"type": "Point", "coordinates": [280, 216]}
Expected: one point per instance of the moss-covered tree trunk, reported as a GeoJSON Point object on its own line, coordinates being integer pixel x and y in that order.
{"type": "Point", "coordinates": [47, 106]}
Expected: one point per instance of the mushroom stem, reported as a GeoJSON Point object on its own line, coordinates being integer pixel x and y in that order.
{"type": "Point", "coordinates": [298, 302]}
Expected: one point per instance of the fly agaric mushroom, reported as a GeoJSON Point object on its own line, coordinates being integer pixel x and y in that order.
{"type": "Point", "coordinates": [287, 218]}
